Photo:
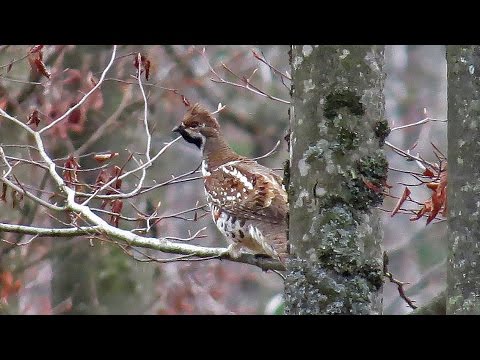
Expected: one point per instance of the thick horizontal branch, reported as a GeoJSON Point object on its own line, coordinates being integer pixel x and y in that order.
{"type": "Point", "coordinates": [148, 243]}
{"type": "Point", "coordinates": [53, 232]}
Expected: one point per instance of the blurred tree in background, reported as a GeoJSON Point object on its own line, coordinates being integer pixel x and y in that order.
{"type": "Point", "coordinates": [75, 275]}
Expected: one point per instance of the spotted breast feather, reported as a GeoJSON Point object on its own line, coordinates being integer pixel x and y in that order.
{"type": "Point", "coordinates": [249, 205]}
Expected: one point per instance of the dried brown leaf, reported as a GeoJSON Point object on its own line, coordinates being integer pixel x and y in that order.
{"type": "Point", "coordinates": [101, 158]}
{"type": "Point", "coordinates": [8, 286]}
{"type": "Point", "coordinates": [33, 118]}
{"type": "Point", "coordinates": [145, 66]}
{"type": "Point", "coordinates": [117, 206]}
{"type": "Point", "coordinates": [405, 195]}
{"type": "Point", "coordinates": [41, 68]}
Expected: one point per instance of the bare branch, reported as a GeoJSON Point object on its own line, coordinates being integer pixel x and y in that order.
{"type": "Point", "coordinates": [423, 121]}
{"type": "Point", "coordinates": [274, 69]}
{"type": "Point", "coordinates": [85, 97]}
{"type": "Point", "coordinates": [245, 83]}
{"type": "Point", "coordinates": [108, 123]}
{"type": "Point", "coordinates": [407, 155]}
{"type": "Point", "coordinates": [136, 191]}
{"type": "Point", "coordinates": [270, 152]}
{"type": "Point", "coordinates": [51, 232]}
{"type": "Point", "coordinates": [400, 284]}
{"type": "Point", "coordinates": [16, 121]}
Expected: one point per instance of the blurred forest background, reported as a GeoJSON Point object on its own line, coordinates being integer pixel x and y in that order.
{"type": "Point", "coordinates": [75, 276]}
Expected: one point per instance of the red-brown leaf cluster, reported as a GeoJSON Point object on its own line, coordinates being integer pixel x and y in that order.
{"type": "Point", "coordinates": [33, 118]}
{"type": "Point", "coordinates": [145, 65]}
{"type": "Point", "coordinates": [116, 205]}
{"type": "Point", "coordinates": [71, 89]}
{"type": "Point", "coordinates": [8, 286]}
{"type": "Point", "coordinates": [35, 58]}
{"type": "Point", "coordinates": [116, 172]}
{"type": "Point", "coordinates": [102, 178]}
{"type": "Point", "coordinates": [70, 171]}
{"type": "Point", "coordinates": [437, 203]}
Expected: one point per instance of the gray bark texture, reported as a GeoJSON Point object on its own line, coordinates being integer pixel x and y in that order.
{"type": "Point", "coordinates": [437, 306]}
{"type": "Point", "coordinates": [463, 191]}
{"type": "Point", "coordinates": [335, 178]}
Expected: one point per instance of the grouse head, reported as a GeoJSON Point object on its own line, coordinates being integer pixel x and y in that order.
{"type": "Point", "coordinates": [198, 125]}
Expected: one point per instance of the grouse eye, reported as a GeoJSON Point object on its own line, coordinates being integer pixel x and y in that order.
{"type": "Point", "coordinates": [194, 125]}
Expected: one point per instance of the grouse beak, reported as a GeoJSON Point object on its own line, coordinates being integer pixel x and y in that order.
{"type": "Point", "coordinates": [178, 128]}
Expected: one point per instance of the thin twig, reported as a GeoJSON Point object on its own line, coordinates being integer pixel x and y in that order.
{"type": "Point", "coordinates": [136, 191]}
{"type": "Point", "coordinates": [400, 284]}
{"type": "Point", "coordinates": [410, 156]}
{"type": "Point", "coordinates": [85, 97]}
{"type": "Point", "coordinates": [270, 152]}
{"type": "Point", "coordinates": [423, 121]}
{"type": "Point", "coordinates": [246, 84]}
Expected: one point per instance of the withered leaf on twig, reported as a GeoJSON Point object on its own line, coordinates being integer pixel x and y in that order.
{"type": "Point", "coordinates": [33, 118]}
{"type": "Point", "coordinates": [145, 66]}
{"type": "Point", "coordinates": [117, 206]}
{"type": "Point", "coordinates": [405, 195]}
{"type": "Point", "coordinates": [35, 58]}
{"type": "Point", "coordinates": [101, 158]}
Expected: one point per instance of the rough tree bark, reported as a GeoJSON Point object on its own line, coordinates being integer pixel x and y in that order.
{"type": "Point", "coordinates": [334, 178]}
{"type": "Point", "coordinates": [463, 192]}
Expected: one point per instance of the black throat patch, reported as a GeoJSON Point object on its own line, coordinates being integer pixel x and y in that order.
{"type": "Point", "coordinates": [196, 140]}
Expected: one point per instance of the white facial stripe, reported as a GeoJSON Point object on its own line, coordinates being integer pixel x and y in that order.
{"type": "Point", "coordinates": [205, 171]}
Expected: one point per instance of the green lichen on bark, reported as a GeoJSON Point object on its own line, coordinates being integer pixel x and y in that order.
{"type": "Point", "coordinates": [342, 99]}
{"type": "Point", "coordinates": [463, 193]}
{"type": "Point", "coordinates": [337, 171]}
{"type": "Point", "coordinates": [382, 129]}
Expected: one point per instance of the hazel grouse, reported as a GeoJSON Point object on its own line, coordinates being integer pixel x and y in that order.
{"type": "Point", "coordinates": [247, 200]}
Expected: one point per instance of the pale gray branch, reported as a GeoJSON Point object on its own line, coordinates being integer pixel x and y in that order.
{"type": "Point", "coordinates": [52, 232]}
{"type": "Point", "coordinates": [145, 242]}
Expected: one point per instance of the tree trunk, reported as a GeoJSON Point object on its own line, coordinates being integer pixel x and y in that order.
{"type": "Point", "coordinates": [337, 171]}
{"type": "Point", "coordinates": [463, 192]}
